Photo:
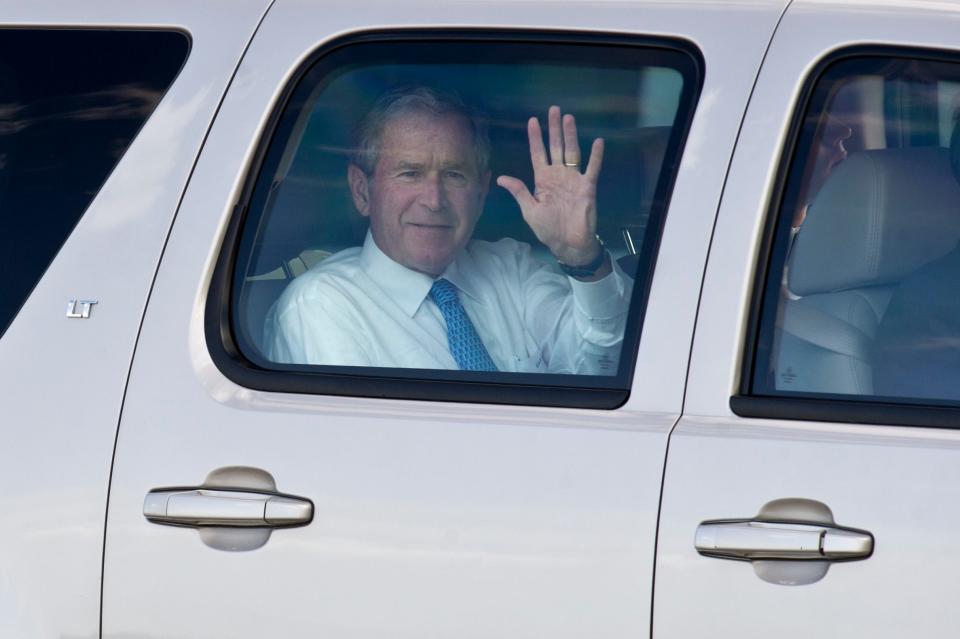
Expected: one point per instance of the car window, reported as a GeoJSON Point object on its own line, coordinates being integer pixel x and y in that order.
{"type": "Point", "coordinates": [71, 101]}
{"type": "Point", "coordinates": [463, 210]}
{"type": "Point", "coordinates": [861, 302]}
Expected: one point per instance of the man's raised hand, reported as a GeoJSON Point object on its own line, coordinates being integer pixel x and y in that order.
{"type": "Point", "coordinates": [562, 210]}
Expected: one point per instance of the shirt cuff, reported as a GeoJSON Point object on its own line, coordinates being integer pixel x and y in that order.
{"type": "Point", "coordinates": [604, 298]}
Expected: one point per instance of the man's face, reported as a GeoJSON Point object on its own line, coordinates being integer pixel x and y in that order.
{"type": "Point", "coordinates": [830, 152]}
{"type": "Point", "coordinates": [426, 191]}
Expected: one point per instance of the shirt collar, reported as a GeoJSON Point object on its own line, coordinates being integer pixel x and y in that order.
{"type": "Point", "coordinates": [408, 288]}
{"type": "Point", "coordinates": [462, 273]}
{"type": "Point", "coordinates": [404, 286]}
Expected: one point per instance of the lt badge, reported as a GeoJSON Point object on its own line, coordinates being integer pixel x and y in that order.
{"type": "Point", "coordinates": [85, 306]}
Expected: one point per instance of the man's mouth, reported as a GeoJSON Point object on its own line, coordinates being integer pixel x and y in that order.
{"type": "Point", "coordinates": [430, 226]}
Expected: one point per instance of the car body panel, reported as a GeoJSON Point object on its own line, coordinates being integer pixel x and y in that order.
{"type": "Point", "coordinates": [898, 483]}
{"type": "Point", "coordinates": [63, 379]}
{"type": "Point", "coordinates": [430, 518]}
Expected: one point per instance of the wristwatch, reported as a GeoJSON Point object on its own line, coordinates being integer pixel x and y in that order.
{"type": "Point", "coordinates": [589, 269]}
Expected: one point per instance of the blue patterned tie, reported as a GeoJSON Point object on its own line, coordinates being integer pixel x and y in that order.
{"type": "Point", "coordinates": [464, 343]}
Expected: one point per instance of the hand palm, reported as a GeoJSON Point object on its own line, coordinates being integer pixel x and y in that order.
{"type": "Point", "coordinates": [562, 211]}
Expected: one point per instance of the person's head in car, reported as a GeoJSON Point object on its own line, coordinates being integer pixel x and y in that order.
{"type": "Point", "coordinates": [420, 173]}
{"type": "Point", "coordinates": [826, 155]}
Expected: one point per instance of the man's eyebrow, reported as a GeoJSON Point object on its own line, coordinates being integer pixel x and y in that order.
{"type": "Point", "coordinates": [409, 165]}
{"type": "Point", "coordinates": [456, 164]}
{"type": "Point", "coordinates": [404, 165]}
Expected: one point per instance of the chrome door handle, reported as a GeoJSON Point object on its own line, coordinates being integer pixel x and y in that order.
{"type": "Point", "coordinates": [198, 507]}
{"type": "Point", "coordinates": [750, 540]}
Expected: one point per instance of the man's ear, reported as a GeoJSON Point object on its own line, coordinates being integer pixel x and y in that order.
{"type": "Point", "coordinates": [359, 189]}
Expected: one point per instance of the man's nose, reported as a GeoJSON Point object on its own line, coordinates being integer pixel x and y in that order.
{"type": "Point", "coordinates": [432, 194]}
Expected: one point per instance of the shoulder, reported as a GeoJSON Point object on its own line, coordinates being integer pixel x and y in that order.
{"type": "Point", "coordinates": [506, 251]}
{"type": "Point", "coordinates": [514, 264]}
{"type": "Point", "coordinates": [323, 283]}
{"type": "Point", "coordinates": [932, 284]}
{"type": "Point", "coordinates": [923, 302]}
{"type": "Point", "coordinates": [506, 245]}
{"type": "Point", "coordinates": [944, 268]}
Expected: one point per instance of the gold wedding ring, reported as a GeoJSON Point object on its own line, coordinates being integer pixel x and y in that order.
{"type": "Point", "coordinates": [573, 164]}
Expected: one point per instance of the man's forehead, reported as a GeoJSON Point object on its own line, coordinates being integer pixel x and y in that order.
{"type": "Point", "coordinates": [415, 126]}
{"type": "Point", "coordinates": [419, 137]}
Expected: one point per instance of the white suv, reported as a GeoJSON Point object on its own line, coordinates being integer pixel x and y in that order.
{"type": "Point", "coordinates": [210, 430]}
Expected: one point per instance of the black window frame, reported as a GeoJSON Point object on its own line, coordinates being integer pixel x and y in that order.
{"type": "Point", "coordinates": [427, 384]}
{"type": "Point", "coordinates": [821, 406]}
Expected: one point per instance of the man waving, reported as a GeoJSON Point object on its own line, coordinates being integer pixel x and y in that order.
{"type": "Point", "coordinates": [420, 293]}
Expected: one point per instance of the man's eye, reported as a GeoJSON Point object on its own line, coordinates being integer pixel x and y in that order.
{"type": "Point", "coordinates": [456, 175]}
{"type": "Point", "coordinates": [410, 174]}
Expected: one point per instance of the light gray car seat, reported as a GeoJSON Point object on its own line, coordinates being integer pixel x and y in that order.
{"type": "Point", "coordinates": [880, 215]}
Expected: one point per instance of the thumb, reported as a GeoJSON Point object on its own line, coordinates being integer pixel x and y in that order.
{"type": "Point", "coordinates": [518, 190]}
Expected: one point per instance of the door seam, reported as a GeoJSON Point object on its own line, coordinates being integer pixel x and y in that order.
{"type": "Point", "coordinates": [696, 315]}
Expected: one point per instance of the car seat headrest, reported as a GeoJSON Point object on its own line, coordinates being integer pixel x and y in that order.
{"type": "Point", "coordinates": [880, 215]}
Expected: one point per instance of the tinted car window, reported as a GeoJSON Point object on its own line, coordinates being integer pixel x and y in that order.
{"type": "Point", "coordinates": [861, 302]}
{"type": "Point", "coordinates": [400, 168]}
{"type": "Point", "coordinates": [71, 101]}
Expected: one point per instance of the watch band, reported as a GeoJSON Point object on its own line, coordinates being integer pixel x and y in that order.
{"type": "Point", "coordinates": [589, 269]}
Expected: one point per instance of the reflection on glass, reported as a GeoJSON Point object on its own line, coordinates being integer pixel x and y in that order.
{"type": "Point", "coordinates": [71, 102]}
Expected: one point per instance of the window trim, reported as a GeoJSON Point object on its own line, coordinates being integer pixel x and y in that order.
{"type": "Point", "coordinates": [824, 407]}
{"type": "Point", "coordinates": [427, 384]}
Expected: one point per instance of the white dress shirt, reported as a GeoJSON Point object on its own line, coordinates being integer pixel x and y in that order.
{"type": "Point", "coordinates": [360, 308]}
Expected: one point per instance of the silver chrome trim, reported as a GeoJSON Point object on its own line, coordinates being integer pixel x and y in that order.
{"type": "Point", "coordinates": [85, 306]}
{"type": "Point", "coordinates": [751, 540]}
{"type": "Point", "coordinates": [196, 507]}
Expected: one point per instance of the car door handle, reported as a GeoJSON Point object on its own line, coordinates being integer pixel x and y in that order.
{"type": "Point", "coordinates": [750, 540]}
{"type": "Point", "coordinates": [200, 507]}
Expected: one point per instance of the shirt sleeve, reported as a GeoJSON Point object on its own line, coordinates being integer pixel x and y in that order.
{"type": "Point", "coordinates": [579, 326]}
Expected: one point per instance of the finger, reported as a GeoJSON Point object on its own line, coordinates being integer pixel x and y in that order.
{"type": "Point", "coordinates": [571, 146]}
{"type": "Point", "coordinates": [556, 136]}
{"type": "Point", "coordinates": [538, 154]}
{"type": "Point", "coordinates": [596, 160]}
{"type": "Point", "coordinates": [518, 190]}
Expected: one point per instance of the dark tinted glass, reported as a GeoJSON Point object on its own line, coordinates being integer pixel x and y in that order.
{"type": "Point", "coordinates": [71, 101]}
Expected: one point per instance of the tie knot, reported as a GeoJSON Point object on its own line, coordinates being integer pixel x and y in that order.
{"type": "Point", "coordinates": [443, 292]}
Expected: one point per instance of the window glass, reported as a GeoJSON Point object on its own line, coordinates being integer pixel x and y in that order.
{"type": "Point", "coordinates": [463, 210]}
{"type": "Point", "coordinates": [866, 261]}
{"type": "Point", "coordinates": [70, 103]}
{"type": "Point", "coordinates": [948, 97]}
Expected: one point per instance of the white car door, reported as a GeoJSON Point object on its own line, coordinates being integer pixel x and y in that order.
{"type": "Point", "coordinates": [104, 110]}
{"type": "Point", "coordinates": [830, 474]}
{"type": "Point", "coordinates": [429, 518]}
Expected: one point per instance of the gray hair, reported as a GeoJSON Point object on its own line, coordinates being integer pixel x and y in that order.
{"type": "Point", "coordinates": [368, 135]}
